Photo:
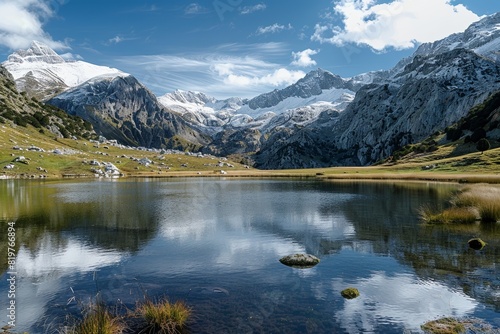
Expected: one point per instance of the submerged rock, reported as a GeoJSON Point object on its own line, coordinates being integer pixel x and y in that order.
{"type": "Point", "coordinates": [350, 293]}
{"type": "Point", "coordinates": [300, 260]}
{"type": "Point", "coordinates": [456, 326]}
{"type": "Point", "coordinates": [476, 243]}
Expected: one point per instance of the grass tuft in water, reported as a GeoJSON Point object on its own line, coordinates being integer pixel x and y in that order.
{"type": "Point", "coordinates": [163, 316]}
{"type": "Point", "coordinates": [485, 198]}
{"type": "Point", "coordinates": [96, 319]}
{"type": "Point", "coordinates": [465, 215]}
{"type": "Point", "coordinates": [477, 202]}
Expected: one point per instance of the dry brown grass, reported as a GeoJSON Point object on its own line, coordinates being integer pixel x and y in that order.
{"type": "Point", "coordinates": [164, 317]}
{"type": "Point", "coordinates": [97, 319]}
{"type": "Point", "coordinates": [485, 198]}
{"type": "Point", "coordinates": [461, 215]}
{"type": "Point", "coordinates": [472, 203]}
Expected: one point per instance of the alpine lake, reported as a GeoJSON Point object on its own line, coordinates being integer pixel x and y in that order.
{"type": "Point", "coordinates": [215, 243]}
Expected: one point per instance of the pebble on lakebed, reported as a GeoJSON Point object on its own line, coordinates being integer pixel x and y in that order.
{"type": "Point", "coordinates": [300, 260]}
{"type": "Point", "coordinates": [350, 293]}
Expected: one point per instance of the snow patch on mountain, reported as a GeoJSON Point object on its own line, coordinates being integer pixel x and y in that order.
{"type": "Point", "coordinates": [333, 98]}
{"type": "Point", "coordinates": [212, 116]}
{"type": "Point", "coordinates": [482, 37]}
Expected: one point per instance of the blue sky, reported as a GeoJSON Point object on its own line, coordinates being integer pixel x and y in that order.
{"type": "Point", "coordinates": [234, 47]}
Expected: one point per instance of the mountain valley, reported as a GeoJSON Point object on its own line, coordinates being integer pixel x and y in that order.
{"type": "Point", "coordinates": [322, 120]}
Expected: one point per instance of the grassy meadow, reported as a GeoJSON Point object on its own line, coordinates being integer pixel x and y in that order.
{"type": "Point", "coordinates": [451, 162]}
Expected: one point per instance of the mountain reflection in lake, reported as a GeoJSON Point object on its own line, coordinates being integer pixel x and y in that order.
{"type": "Point", "coordinates": [215, 244]}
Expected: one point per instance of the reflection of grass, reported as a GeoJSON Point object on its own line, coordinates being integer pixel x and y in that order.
{"type": "Point", "coordinates": [164, 317]}
{"type": "Point", "coordinates": [477, 201]}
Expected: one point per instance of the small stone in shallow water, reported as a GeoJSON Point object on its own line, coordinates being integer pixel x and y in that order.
{"type": "Point", "coordinates": [300, 260]}
{"type": "Point", "coordinates": [350, 293]}
{"type": "Point", "coordinates": [476, 243]}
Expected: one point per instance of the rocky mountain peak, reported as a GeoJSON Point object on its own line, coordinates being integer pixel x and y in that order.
{"type": "Point", "coordinates": [197, 98]}
{"type": "Point", "coordinates": [312, 84]}
{"type": "Point", "coordinates": [483, 37]}
{"type": "Point", "coordinates": [37, 52]}
{"type": "Point", "coordinates": [323, 79]}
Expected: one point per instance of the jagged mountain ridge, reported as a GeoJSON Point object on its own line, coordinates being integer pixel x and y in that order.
{"type": "Point", "coordinates": [235, 128]}
{"type": "Point", "coordinates": [314, 83]}
{"type": "Point", "coordinates": [431, 93]}
{"type": "Point", "coordinates": [482, 37]}
{"type": "Point", "coordinates": [239, 126]}
{"type": "Point", "coordinates": [422, 94]}
{"type": "Point", "coordinates": [305, 91]}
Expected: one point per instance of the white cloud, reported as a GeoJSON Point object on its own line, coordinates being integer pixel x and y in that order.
{"type": "Point", "coordinates": [273, 29]}
{"type": "Point", "coordinates": [303, 58]}
{"type": "Point", "coordinates": [194, 8]}
{"type": "Point", "coordinates": [71, 57]}
{"type": "Point", "coordinates": [279, 77]}
{"type": "Point", "coordinates": [399, 24]}
{"type": "Point", "coordinates": [116, 40]}
{"type": "Point", "coordinates": [21, 22]}
{"type": "Point", "coordinates": [251, 9]}
{"type": "Point", "coordinates": [217, 74]}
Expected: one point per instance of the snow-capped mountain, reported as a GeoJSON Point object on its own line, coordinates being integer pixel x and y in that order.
{"type": "Point", "coordinates": [203, 112]}
{"type": "Point", "coordinates": [317, 87]}
{"type": "Point", "coordinates": [42, 73]}
{"type": "Point", "coordinates": [482, 37]}
{"type": "Point", "coordinates": [422, 94]}
{"type": "Point", "coordinates": [233, 123]}
{"type": "Point", "coordinates": [22, 110]}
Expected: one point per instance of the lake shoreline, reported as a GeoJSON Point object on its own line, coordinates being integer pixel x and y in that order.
{"type": "Point", "coordinates": [462, 178]}
{"type": "Point", "coordinates": [335, 173]}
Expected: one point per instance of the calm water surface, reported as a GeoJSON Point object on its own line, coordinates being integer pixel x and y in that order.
{"type": "Point", "coordinates": [215, 244]}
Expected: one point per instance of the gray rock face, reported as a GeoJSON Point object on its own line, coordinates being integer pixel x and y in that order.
{"type": "Point", "coordinates": [430, 94]}
{"type": "Point", "coordinates": [121, 108]}
{"type": "Point", "coordinates": [51, 86]}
